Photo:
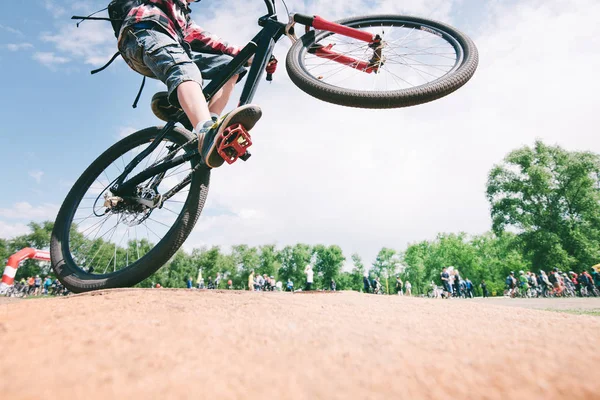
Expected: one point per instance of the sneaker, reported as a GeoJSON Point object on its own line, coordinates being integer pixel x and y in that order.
{"type": "Point", "coordinates": [208, 138]}
{"type": "Point", "coordinates": [166, 111]}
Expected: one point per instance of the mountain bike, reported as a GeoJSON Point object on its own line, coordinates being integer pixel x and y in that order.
{"type": "Point", "coordinates": [136, 204]}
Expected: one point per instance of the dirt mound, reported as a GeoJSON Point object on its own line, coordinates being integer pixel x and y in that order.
{"type": "Point", "coordinates": [191, 344]}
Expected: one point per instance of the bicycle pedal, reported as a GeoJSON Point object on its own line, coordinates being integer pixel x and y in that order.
{"type": "Point", "coordinates": [234, 144]}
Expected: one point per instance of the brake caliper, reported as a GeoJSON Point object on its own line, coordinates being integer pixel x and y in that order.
{"type": "Point", "coordinates": [234, 144]}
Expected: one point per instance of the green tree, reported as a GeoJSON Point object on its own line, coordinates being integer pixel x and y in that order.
{"type": "Point", "coordinates": [269, 260]}
{"type": "Point", "coordinates": [358, 271]}
{"type": "Point", "coordinates": [386, 265]}
{"type": "Point", "coordinates": [209, 261]}
{"type": "Point", "coordinates": [552, 198]}
{"type": "Point", "coordinates": [293, 261]}
{"type": "Point", "coordinates": [4, 251]}
{"type": "Point", "coordinates": [178, 270]}
{"type": "Point", "coordinates": [246, 259]}
{"type": "Point", "coordinates": [328, 264]}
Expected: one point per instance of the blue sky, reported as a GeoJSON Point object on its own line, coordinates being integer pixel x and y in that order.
{"type": "Point", "coordinates": [56, 118]}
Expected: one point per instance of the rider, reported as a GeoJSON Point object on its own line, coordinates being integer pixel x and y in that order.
{"type": "Point", "coordinates": [159, 39]}
{"type": "Point", "coordinates": [510, 283]}
{"type": "Point", "coordinates": [366, 284]}
{"type": "Point", "coordinates": [399, 284]}
{"type": "Point", "coordinates": [595, 277]}
{"type": "Point", "coordinates": [590, 279]}
{"type": "Point", "coordinates": [583, 282]}
{"type": "Point", "coordinates": [554, 278]}
{"type": "Point", "coordinates": [523, 281]}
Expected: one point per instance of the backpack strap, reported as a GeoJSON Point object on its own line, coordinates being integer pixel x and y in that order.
{"type": "Point", "coordinates": [91, 16]}
{"type": "Point", "coordinates": [137, 98]}
{"type": "Point", "coordinates": [113, 58]}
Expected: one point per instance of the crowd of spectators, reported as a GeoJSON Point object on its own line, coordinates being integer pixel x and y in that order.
{"type": "Point", "coordinates": [555, 283]}
{"type": "Point", "coordinates": [37, 286]}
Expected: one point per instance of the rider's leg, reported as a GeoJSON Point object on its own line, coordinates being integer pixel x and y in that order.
{"type": "Point", "coordinates": [221, 98]}
{"type": "Point", "coordinates": [192, 101]}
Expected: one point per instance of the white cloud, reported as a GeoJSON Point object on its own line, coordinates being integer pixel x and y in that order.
{"type": "Point", "coordinates": [26, 212]}
{"type": "Point", "coordinates": [11, 30]}
{"type": "Point", "coordinates": [37, 175]}
{"type": "Point", "coordinates": [9, 231]}
{"type": "Point", "coordinates": [18, 46]}
{"type": "Point", "coordinates": [49, 59]}
{"type": "Point", "coordinates": [93, 43]}
{"type": "Point", "coordinates": [55, 10]}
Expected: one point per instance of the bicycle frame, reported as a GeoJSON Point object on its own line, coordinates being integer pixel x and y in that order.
{"type": "Point", "coordinates": [261, 46]}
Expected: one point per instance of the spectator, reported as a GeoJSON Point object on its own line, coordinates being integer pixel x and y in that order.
{"type": "Point", "coordinates": [332, 286]}
{"type": "Point", "coordinates": [399, 285]}
{"type": "Point", "coordinates": [445, 276]}
{"type": "Point", "coordinates": [190, 283]}
{"type": "Point", "coordinates": [510, 283]}
{"type": "Point", "coordinates": [456, 283]}
{"type": "Point", "coordinates": [37, 283]}
{"type": "Point", "coordinates": [366, 284]}
{"type": "Point", "coordinates": [544, 283]}
{"type": "Point", "coordinates": [47, 284]}
{"type": "Point", "coordinates": [408, 287]}
{"type": "Point", "coordinates": [377, 287]}
{"type": "Point", "coordinates": [229, 284]}
{"type": "Point", "coordinates": [30, 285]}
{"type": "Point", "coordinates": [554, 279]}
{"type": "Point", "coordinates": [251, 281]}
{"type": "Point", "coordinates": [596, 277]}
{"type": "Point", "coordinates": [469, 287]}
{"type": "Point", "coordinates": [309, 277]}
{"type": "Point", "coordinates": [289, 286]}
{"type": "Point", "coordinates": [484, 289]}
{"type": "Point", "coordinates": [201, 283]}
{"type": "Point", "coordinates": [266, 286]}
{"type": "Point", "coordinates": [210, 283]}
{"type": "Point", "coordinates": [533, 280]}
{"type": "Point", "coordinates": [590, 280]}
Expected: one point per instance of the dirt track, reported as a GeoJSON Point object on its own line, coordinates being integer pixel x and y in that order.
{"type": "Point", "coordinates": [189, 344]}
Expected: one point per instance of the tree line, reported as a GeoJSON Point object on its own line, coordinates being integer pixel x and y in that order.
{"type": "Point", "coordinates": [545, 209]}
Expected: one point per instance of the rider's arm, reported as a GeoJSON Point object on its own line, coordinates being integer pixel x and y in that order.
{"type": "Point", "coordinates": [205, 42]}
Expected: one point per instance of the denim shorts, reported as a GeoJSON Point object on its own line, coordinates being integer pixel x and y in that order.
{"type": "Point", "coordinates": [155, 54]}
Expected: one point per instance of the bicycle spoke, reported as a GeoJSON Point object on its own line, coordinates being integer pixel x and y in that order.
{"type": "Point", "coordinates": [106, 237]}
{"type": "Point", "coordinates": [411, 55]}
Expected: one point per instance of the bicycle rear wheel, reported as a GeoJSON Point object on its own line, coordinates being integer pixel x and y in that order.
{"type": "Point", "coordinates": [99, 246]}
{"type": "Point", "coordinates": [422, 60]}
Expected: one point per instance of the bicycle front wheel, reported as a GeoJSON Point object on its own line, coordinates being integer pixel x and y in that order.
{"type": "Point", "coordinates": [103, 241]}
{"type": "Point", "coordinates": [421, 60]}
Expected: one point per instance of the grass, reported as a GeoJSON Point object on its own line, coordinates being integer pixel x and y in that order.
{"type": "Point", "coordinates": [593, 313]}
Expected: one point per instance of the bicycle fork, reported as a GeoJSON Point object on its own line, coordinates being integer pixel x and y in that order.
{"type": "Point", "coordinates": [375, 42]}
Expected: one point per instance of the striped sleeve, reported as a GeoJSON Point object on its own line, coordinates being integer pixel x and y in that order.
{"type": "Point", "coordinates": [205, 42]}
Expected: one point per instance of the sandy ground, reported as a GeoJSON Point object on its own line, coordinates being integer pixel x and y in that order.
{"type": "Point", "coordinates": [147, 344]}
{"type": "Point", "coordinates": [572, 303]}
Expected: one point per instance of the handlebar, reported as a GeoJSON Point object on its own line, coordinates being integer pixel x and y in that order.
{"type": "Point", "coordinates": [270, 6]}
